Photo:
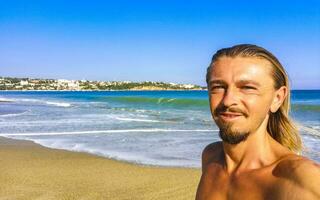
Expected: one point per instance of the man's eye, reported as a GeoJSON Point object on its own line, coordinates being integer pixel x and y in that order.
{"type": "Point", "coordinates": [218, 87]}
{"type": "Point", "coordinates": [248, 88]}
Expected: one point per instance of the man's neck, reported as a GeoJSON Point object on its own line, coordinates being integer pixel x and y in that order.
{"type": "Point", "coordinates": [257, 151]}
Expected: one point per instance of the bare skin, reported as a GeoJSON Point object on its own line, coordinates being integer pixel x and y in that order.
{"type": "Point", "coordinates": [258, 167]}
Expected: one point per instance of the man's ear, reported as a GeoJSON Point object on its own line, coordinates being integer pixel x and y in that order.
{"type": "Point", "coordinates": [279, 97]}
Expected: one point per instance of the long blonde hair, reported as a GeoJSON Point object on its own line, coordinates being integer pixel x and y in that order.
{"type": "Point", "coordinates": [280, 126]}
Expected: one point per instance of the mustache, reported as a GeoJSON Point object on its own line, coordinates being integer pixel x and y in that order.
{"type": "Point", "coordinates": [222, 108]}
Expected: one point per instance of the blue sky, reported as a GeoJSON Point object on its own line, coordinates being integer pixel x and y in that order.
{"type": "Point", "coordinates": [170, 41]}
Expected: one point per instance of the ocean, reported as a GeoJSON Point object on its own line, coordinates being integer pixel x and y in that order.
{"type": "Point", "coordinates": [163, 128]}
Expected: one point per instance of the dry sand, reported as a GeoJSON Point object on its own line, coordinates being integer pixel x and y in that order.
{"type": "Point", "coordinates": [31, 171]}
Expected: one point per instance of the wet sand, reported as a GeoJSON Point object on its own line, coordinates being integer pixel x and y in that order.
{"type": "Point", "coordinates": [31, 171]}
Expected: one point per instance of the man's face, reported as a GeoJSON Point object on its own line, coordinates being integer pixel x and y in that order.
{"type": "Point", "coordinates": [240, 92]}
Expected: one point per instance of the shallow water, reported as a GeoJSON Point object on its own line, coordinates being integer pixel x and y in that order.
{"type": "Point", "coordinates": [166, 128]}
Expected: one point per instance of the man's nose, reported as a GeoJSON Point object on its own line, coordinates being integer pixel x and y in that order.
{"type": "Point", "coordinates": [230, 97]}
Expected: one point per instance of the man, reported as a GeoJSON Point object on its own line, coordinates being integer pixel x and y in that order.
{"type": "Point", "coordinates": [249, 98]}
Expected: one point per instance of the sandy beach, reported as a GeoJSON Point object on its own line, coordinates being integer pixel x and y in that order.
{"type": "Point", "coordinates": [31, 171]}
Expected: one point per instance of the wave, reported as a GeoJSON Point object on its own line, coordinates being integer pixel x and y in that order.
{"type": "Point", "coordinates": [59, 104]}
{"type": "Point", "coordinates": [309, 130]}
{"type": "Point", "coordinates": [41, 102]}
{"type": "Point", "coordinates": [147, 158]}
{"type": "Point", "coordinates": [161, 101]}
{"type": "Point", "coordinates": [187, 102]}
{"type": "Point", "coordinates": [6, 100]}
{"type": "Point", "coordinates": [136, 120]}
{"type": "Point", "coordinates": [53, 103]}
{"type": "Point", "coordinates": [14, 114]}
{"type": "Point", "coordinates": [108, 131]}
{"type": "Point", "coordinates": [135, 110]}
{"type": "Point", "coordinates": [306, 101]}
{"type": "Point", "coordinates": [306, 107]}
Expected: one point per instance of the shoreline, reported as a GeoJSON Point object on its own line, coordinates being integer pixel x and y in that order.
{"type": "Point", "coordinates": [126, 90]}
{"type": "Point", "coordinates": [98, 90]}
{"type": "Point", "coordinates": [101, 156]}
{"type": "Point", "coordinates": [32, 171]}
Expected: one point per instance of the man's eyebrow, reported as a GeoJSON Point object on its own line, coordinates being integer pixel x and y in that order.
{"type": "Point", "coordinates": [243, 82]}
{"type": "Point", "coordinates": [217, 82]}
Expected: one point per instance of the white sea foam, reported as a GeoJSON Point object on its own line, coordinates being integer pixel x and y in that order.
{"type": "Point", "coordinates": [136, 120]}
{"type": "Point", "coordinates": [29, 100]}
{"type": "Point", "coordinates": [107, 131]}
{"type": "Point", "coordinates": [309, 130]}
{"type": "Point", "coordinates": [13, 114]}
{"type": "Point", "coordinates": [6, 100]}
{"type": "Point", "coordinates": [52, 103]}
{"type": "Point", "coordinates": [159, 100]}
{"type": "Point", "coordinates": [316, 127]}
{"type": "Point", "coordinates": [59, 104]}
{"type": "Point", "coordinates": [144, 158]}
{"type": "Point", "coordinates": [171, 100]}
{"type": "Point", "coordinates": [308, 101]}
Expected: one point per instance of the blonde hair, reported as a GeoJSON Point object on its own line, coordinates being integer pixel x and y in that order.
{"type": "Point", "coordinates": [280, 126]}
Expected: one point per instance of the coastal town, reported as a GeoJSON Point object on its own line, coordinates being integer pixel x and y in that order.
{"type": "Point", "coordinates": [9, 83]}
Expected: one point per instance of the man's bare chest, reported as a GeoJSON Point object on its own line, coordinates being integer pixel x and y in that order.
{"type": "Point", "coordinates": [247, 186]}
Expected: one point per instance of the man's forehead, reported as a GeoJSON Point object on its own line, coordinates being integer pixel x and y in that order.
{"type": "Point", "coordinates": [241, 69]}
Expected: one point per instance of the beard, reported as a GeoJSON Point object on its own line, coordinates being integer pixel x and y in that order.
{"type": "Point", "coordinates": [227, 133]}
{"type": "Point", "coordinates": [232, 136]}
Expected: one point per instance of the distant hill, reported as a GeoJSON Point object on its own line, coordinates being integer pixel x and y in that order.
{"type": "Point", "coordinates": [9, 83]}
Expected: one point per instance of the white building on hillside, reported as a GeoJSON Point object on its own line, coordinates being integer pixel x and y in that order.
{"type": "Point", "coordinates": [22, 82]}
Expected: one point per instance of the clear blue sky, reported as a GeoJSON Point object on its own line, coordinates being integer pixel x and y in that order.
{"type": "Point", "coordinates": [170, 41]}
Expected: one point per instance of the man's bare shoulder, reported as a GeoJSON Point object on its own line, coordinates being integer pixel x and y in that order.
{"type": "Point", "coordinates": [211, 153]}
{"type": "Point", "coordinates": [301, 172]}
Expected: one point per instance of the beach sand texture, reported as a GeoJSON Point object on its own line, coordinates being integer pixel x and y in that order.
{"type": "Point", "coordinates": [31, 171]}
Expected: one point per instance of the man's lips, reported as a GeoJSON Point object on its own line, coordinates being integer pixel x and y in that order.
{"type": "Point", "coordinates": [230, 115]}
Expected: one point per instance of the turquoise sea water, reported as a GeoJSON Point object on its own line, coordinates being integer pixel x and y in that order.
{"type": "Point", "coordinates": [166, 128]}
